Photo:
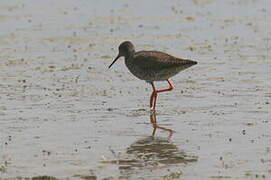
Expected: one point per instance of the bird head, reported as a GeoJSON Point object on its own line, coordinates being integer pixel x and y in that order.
{"type": "Point", "coordinates": [126, 49]}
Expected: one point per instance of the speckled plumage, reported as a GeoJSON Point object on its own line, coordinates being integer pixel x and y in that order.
{"type": "Point", "coordinates": [152, 65]}
{"type": "Point", "coordinates": [155, 66]}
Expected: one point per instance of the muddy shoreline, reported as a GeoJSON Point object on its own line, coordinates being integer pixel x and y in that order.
{"type": "Point", "coordinates": [64, 115]}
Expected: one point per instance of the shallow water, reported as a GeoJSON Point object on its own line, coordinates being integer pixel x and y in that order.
{"type": "Point", "coordinates": [64, 115]}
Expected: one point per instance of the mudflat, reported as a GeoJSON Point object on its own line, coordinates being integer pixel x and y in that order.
{"type": "Point", "coordinates": [65, 115]}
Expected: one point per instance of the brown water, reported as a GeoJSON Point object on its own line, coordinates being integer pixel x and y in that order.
{"type": "Point", "coordinates": [64, 115]}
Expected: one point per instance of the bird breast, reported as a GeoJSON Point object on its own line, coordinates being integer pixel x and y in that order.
{"type": "Point", "coordinates": [139, 71]}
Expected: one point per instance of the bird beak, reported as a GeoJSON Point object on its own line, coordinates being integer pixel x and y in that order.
{"type": "Point", "coordinates": [114, 61]}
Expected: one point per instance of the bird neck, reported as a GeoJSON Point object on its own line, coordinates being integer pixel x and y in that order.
{"type": "Point", "coordinates": [129, 56]}
{"type": "Point", "coordinates": [129, 60]}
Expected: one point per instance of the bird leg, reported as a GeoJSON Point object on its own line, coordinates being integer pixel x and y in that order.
{"type": "Point", "coordinates": [153, 95]}
{"type": "Point", "coordinates": [155, 92]}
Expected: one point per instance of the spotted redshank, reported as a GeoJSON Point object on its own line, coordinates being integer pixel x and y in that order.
{"type": "Point", "coordinates": [152, 66]}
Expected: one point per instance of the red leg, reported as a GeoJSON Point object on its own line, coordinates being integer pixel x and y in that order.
{"type": "Point", "coordinates": [152, 95]}
{"type": "Point", "coordinates": [154, 100]}
{"type": "Point", "coordinates": [168, 89]}
{"type": "Point", "coordinates": [155, 92]}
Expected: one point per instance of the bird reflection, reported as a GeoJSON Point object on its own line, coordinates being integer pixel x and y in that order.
{"type": "Point", "coordinates": [149, 155]}
{"type": "Point", "coordinates": [155, 125]}
{"type": "Point", "coordinates": [153, 150]}
{"type": "Point", "coordinates": [158, 150]}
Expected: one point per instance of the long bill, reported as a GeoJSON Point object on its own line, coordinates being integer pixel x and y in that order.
{"type": "Point", "coordinates": [114, 61]}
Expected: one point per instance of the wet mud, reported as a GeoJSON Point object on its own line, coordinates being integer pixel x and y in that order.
{"type": "Point", "coordinates": [65, 115]}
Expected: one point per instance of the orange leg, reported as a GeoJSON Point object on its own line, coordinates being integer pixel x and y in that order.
{"type": "Point", "coordinates": [153, 95]}
{"type": "Point", "coordinates": [155, 92]}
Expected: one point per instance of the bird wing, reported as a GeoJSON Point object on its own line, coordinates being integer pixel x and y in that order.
{"type": "Point", "coordinates": [156, 60]}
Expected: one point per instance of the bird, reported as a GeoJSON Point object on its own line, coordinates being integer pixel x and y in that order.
{"type": "Point", "coordinates": [152, 66]}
